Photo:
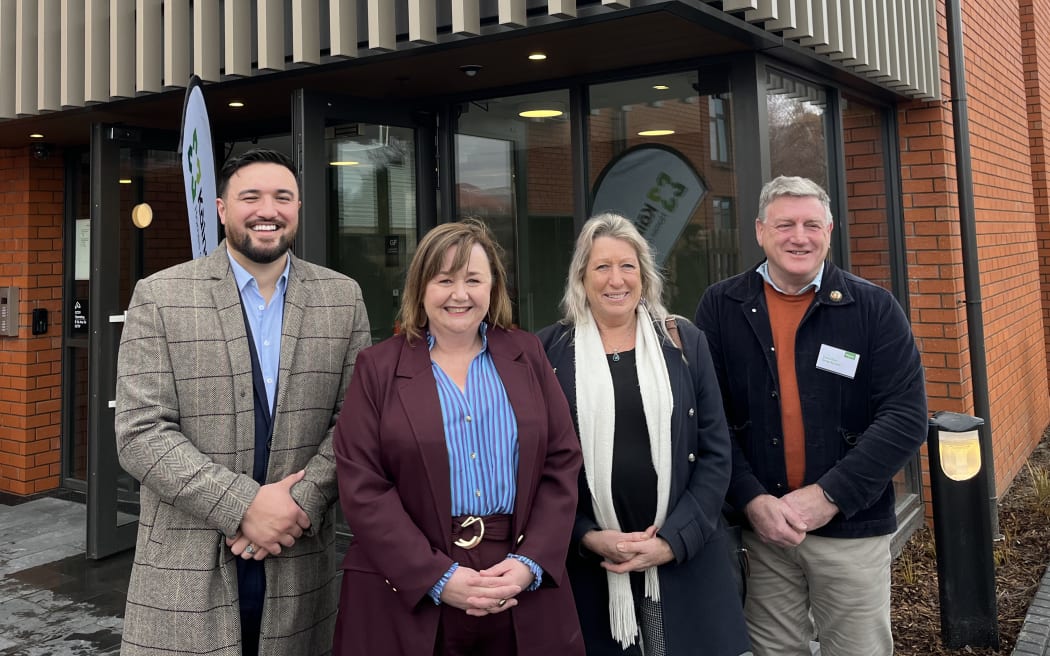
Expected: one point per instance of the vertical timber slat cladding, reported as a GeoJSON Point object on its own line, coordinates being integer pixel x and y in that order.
{"type": "Point", "coordinates": [149, 62]}
{"type": "Point", "coordinates": [206, 40]}
{"type": "Point", "coordinates": [177, 39]}
{"type": "Point", "coordinates": [26, 60]}
{"type": "Point", "coordinates": [306, 45]}
{"type": "Point", "coordinates": [121, 49]}
{"type": "Point", "coordinates": [342, 19]}
{"type": "Point", "coordinates": [422, 21]}
{"type": "Point", "coordinates": [381, 26]}
{"type": "Point", "coordinates": [49, 55]}
{"type": "Point", "coordinates": [96, 51]}
{"type": "Point", "coordinates": [238, 40]}
{"type": "Point", "coordinates": [72, 53]}
{"type": "Point", "coordinates": [271, 35]}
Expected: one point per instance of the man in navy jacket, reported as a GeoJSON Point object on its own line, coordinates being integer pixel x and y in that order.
{"type": "Point", "coordinates": [824, 393]}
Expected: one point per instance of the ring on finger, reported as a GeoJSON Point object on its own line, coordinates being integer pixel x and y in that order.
{"type": "Point", "coordinates": [250, 550]}
{"type": "Point", "coordinates": [501, 603]}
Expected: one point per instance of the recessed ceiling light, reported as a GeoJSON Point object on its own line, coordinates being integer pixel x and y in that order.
{"type": "Point", "coordinates": [36, 135]}
{"type": "Point", "coordinates": [236, 104]}
{"type": "Point", "coordinates": [540, 113]}
{"type": "Point", "coordinates": [343, 163]}
{"type": "Point", "coordinates": [537, 56]}
{"type": "Point", "coordinates": [661, 87]}
{"type": "Point", "coordinates": [655, 133]}
{"type": "Point", "coordinates": [125, 181]}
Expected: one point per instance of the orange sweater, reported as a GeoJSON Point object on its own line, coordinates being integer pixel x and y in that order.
{"type": "Point", "coordinates": [785, 314]}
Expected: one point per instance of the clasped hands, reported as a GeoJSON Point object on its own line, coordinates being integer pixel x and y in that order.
{"type": "Point", "coordinates": [488, 591]}
{"type": "Point", "coordinates": [785, 521]}
{"type": "Point", "coordinates": [628, 552]}
{"type": "Point", "coordinates": [272, 521]}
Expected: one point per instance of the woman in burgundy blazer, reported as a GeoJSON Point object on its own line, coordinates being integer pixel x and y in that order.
{"type": "Point", "coordinates": [394, 476]}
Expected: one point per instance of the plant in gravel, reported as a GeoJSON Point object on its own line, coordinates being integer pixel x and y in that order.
{"type": "Point", "coordinates": [906, 569]}
{"type": "Point", "coordinates": [1040, 486]}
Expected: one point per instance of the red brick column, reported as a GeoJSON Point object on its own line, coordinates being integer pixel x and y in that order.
{"type": "Point", "coordinates": [31, 193]}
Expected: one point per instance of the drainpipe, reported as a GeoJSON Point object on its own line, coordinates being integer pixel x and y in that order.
{"type": "Point", "coordinates": [968, 233]}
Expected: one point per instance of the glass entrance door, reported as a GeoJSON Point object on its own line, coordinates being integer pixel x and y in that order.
{"type": "Point", "coordinates": [368, 193]}
{"type": "Point", "coordinates": [130, 169]}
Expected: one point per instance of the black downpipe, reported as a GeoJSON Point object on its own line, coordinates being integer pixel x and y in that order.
{"type": "Point", "coordinates": [968, 233]}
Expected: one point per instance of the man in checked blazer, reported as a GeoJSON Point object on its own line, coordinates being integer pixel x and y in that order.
{"type": "Point", "coordinates": [231, 375]}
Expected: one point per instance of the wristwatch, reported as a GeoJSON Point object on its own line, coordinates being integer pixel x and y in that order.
{"type": "Point", "coordinates": [828, 497]}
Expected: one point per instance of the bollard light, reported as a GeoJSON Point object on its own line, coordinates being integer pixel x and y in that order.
{"type": "Point", "coordinates": [960, 454]}
{"type": "Point", "coordinates": [962, 531]}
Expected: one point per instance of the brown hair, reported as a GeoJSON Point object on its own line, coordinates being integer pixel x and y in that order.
{"type": "Point", "coordinates": [460, 236]}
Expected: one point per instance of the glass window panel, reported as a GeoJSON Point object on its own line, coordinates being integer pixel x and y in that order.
{"type": "Point", "coordinates": [514, 171]}
{"type": "Point", "coordinates": [862, 137]}
{"type": "Point", "coordinates": [798, 141]}
{"type": "Point", "coordinates": [372, 205]}
{"type": "Point", "coordinates": [660, 155]}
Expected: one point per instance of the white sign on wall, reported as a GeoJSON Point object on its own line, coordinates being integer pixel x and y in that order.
{"type": "Point", "coordinates": [655, 187]}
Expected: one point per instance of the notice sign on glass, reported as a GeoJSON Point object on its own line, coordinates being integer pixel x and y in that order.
{"type": "Point", "coordinates": [80, 315]}
{"type": "Point", "coordinates": [82, 247]}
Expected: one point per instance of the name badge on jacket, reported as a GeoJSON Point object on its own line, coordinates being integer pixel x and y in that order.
{"type": "Point", "coordinates": [838, 361]}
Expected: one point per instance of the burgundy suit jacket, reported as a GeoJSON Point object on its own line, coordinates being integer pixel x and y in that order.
{"type": "Point", "coordinates": [393, 475]}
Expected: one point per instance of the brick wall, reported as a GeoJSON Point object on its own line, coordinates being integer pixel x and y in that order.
{"type": "Point", "coordinates": [1008, 241]}
{"type": "Point", "coordinates": [30, 366]}
{"type": "Point", "coordinates": [1035, 52]}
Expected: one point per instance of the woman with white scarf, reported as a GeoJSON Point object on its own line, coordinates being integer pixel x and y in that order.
{"type": "Point", "coordinates": [649, 564]}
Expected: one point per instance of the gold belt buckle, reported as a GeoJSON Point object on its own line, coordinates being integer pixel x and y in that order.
{"type": "Point", "coordinates": [476, 540]}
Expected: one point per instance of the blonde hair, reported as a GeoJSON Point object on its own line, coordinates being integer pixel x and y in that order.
{"type": "Point", "coordinates": [461, 237]}
{"type": "Point", "coordinates": [574, 302]}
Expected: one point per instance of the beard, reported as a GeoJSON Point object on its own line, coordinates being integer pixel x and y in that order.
{"type": "Point", "coordinates": [241, 241]}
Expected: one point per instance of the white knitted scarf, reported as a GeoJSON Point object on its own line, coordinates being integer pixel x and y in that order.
{"type": "Point", "coordinates": [596, 413]}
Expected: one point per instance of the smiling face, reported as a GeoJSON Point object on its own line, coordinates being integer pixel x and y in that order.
{"type": "Point", "coordinates": [795, 237]}
{"type": "Point", "coordinates": [260, 210]}
{"type": "Point", "coordinates": [456, 302]}
{"type": "Point", "coordinates": [612, 280]}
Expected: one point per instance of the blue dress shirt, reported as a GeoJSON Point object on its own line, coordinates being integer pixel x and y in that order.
{"type": "Point", "coordinates": [265, 320]}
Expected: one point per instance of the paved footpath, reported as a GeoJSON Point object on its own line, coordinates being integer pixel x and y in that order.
{"type": "Point", "coordinates": [56, 602]}
{"type": "Point", "coordinates": [53, 600]}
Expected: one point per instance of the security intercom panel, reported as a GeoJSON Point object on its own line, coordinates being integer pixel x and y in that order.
{"type": "Point", "coordinates": [8, 311]}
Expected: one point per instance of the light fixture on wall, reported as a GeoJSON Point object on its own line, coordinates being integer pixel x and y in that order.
{"type": "Point", "coordinates": [236, 104]}
{"type": "Point", "coordinates": [124, 181]}
{"type": "Point", "coordinates": [661, 87]}
{"type": "Point", "coordinates": [656, 132]}
{"type": "Point", "coordinates": [537, 56]}
{"type": "Point", "coordinates": [36, 135]}
{"type": "Point", "coordinates": [344, 163]}
{"type": "Point", "coordinates": [142, 215]}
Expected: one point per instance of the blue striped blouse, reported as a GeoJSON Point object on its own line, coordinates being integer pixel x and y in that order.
{"type": "Point", "coordinates": [481, 433]}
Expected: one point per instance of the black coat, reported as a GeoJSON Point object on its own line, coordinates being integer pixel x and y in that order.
{"type": "Point", "coordinates": [701, 607]}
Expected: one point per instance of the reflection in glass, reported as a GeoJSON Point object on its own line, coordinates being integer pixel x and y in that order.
{"type": "Point", "coordinates": [672, 132]}
{"type": "Point", "coordinates": [798, 143]}
{"type": "Point", "coordinates": [866, 197]}
{"type": "Point", "coordinates": [372, 213]}
{"type": "Point", "coordinates": [514, 171]}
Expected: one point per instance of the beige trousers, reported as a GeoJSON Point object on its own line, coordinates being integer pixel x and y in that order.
{"type": "Point", "coordinates": [831, 590]}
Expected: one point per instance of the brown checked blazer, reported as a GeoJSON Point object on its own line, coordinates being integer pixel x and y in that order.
{"type": "Point", "coordinates": [396, 495]}
{"type": "Point", "coordinates": [185, 429]}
